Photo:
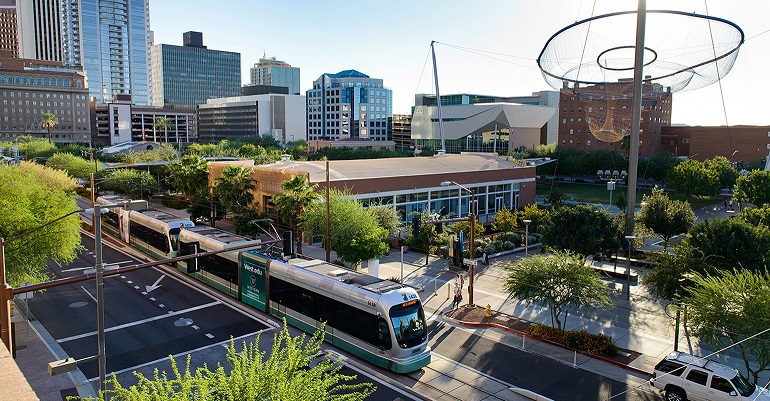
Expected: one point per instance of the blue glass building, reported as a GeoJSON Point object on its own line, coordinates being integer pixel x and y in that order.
{"type": "Point", "coordinates": [349, 104]}
{"type": "Point", "coordinates": [186, 76]}
{"type": "Point", "coordinates": [272, 72]}
{"type": "Point", "coordinates": [110, 40]}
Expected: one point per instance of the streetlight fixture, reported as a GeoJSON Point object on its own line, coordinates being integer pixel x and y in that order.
{"type": "Point", "coordinates": [472, 220]}
{"type": "Point", "coordinates": [526, 236]}
{"type": "Point", "coordinates": [630, 239]}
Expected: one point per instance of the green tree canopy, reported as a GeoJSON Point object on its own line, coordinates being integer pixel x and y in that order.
{"type": "Point", "coordinates": [286, 373]}
{"type": "Point", "coordinates": [756, 216]}
{"type": "Point", "coordinates": [30, 196]}
{"type": "Point", "coordinates": [665, 279]}
{"type": "Point", "coordinates": [753, 188]}
{"type": "Point", "coordinates": [730, 309]}
{"type": "Point", "coordinates": [76, 167]}
{"type": "Point", "coordinates": [539, 217]}
{"type": "Point", "coordinates": [665, 217]}
{"type": "Point", "coordinates": [48, 121]}
{"type": "Point", "coordinates": [505, 220]}
{"type": "Point", "coordinates": [189, 175]}
{"type": "Point", "coordinates": [724, 171]}
{"type": "Point", "coordinates": [129, 182]}
{"type": "Point", "coordinates": [388, 218]}
{"type": "Point", "coordinates": [297, 195]}
{"type": "Point", "coordinates": [354, 232]}
{"type": "Point", "coordinates": [235, 188]}
{"type": "Point", "coordinates": [161, 123]}
{"type": "Point", "coordinates": [585, 230]}
{"type": "Point", "coordinates": [693, 178]}
{"type": "Point", "coordinates": [732, 243]}
{"type": "Point", "coordinates": [560, 282]}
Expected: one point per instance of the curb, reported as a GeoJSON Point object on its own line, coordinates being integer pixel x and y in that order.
{"type": "Point", "coordinates": [514, 331]}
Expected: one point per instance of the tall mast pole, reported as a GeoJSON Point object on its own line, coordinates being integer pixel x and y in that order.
{"type": "Point", "coordinates": [636, 110]}
{"type": "Point", "coordinates": [438, 98]}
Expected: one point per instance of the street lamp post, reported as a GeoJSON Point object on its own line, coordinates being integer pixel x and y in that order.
{"type": "Point", "coordinates": [526, 236]}
{"type": "Point", "coordinates": [472, 220]}
{"type": "Point", "coordinates": [630, 239]}
{"type": "Point", "coordinates": [100, 297]}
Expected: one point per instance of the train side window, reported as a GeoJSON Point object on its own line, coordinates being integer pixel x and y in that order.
{"type": "Point", "coordinates": [383, 334]}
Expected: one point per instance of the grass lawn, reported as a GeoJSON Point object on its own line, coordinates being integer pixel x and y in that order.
{"type": "Point", "coordinates": [598, 193]}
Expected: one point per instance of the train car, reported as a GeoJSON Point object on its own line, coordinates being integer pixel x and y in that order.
{"type": "Point", "coordinates": [154, 232]}
{"type": "Point", "coordinates": [219, 271]}
{"type": "Point", "coordinates": [111, 221]}
{"type": "Point", "coordinates": [377, 320]}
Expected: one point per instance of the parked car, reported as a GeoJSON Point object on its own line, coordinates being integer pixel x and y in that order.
{"type": "Point", "coordinates": [687, 377]}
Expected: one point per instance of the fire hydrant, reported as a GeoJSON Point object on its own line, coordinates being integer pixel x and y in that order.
{"type": "Point", "coordinates": [489, 311]}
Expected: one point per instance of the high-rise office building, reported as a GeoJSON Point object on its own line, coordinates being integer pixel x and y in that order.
{"type": "Point", "coordinates": [349, 104]}
{"type": "Point", "coordinates": [9, 34]}
{"type": "Point", "coordinates": [39, 29]}
{"type": "Point", "coordinates": [186, 76]}
{"type": "Point", "coordinates": [110, 39]}
{"type": "Point", "coordinates": [272, 72]}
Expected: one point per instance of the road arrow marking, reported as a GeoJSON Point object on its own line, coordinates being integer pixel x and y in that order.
{"type": "Point", "coordinates": [156, 285]}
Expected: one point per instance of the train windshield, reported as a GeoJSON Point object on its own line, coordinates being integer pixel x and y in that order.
{"type": "Point", "coordinates": [409, 324]}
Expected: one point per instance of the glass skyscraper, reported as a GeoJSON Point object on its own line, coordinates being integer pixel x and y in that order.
{"type": "Point", "coordinates": [272, 72]}
{"type": "Point", "coordinates": [186, 76]}
{"type": "Point", "coordinates": [110, 39]}
{"type": "Point", "coordinates": [349, 104]}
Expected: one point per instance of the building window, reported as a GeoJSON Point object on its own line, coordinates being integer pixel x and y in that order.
{"type": "Point", "coordinates": [588, 142]}
{"type": "Point", "coordinates": [570, 132]}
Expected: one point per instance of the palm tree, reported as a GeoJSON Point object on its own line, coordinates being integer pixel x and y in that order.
{"type": "Point", "coordinates": [49, 120]}
{"type": "Point", "coordinates": [234, 188]}
{"type": "Point", "coordinates": [297, 195]}
{"type": "Point", "coordinates": [163, 123]}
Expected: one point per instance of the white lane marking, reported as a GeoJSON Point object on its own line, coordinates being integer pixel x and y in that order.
{"type": "Point", "coordinates": [138, 322]}
{"type": "Point", "coordinates": [89, 294]}
{"type": "Point", "coordinates": [209, 335]}
{"type": "Point", "coordinates": [156, 285]}
{"type": "Point", "coordinates": [225, 343]}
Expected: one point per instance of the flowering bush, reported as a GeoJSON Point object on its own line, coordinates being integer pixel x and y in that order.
{"type": "Point", "coordinates": [597, 344]}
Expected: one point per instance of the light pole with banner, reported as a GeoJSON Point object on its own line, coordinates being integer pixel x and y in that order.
{"type": "Point", "coordinates": [526, 236]}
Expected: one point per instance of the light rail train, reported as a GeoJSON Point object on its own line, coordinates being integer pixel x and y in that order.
{"type": "Point", "coordinates": [378, 320]}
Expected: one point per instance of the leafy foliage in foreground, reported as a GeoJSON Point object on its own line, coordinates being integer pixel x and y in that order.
{"type": "Point", "coordinates": [286, 374]}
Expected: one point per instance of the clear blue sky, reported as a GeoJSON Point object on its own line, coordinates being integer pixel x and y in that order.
{"type": "Point", "coordinates": [391, 40]}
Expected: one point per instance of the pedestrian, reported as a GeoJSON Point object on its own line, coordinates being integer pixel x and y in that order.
{"type": "Point", "coordinates": [730, 204]}
{"type": "Point", "coordinates": [739, 207]}
{"type": "Point", "coordinates": [725, 204]}
{"type": "Point", "coordinates": [485, 258]}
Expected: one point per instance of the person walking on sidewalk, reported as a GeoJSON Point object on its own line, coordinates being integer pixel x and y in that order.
{"type": "Point", "coordinates": [458, 293]}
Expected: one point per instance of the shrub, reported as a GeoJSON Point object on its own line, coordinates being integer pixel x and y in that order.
{"type": "Point", "coordinates": [172, 201]}
{"type": "Point", "coordinates": [509, 237]}
{"type": "Point", "coordinates": [498, 244]}
{"type": "Point", "coordinates": [508, 245]}
{"type": "Point", "coordinates": [597, 344]}
{"type": "Point", "coordinates": [490, 249]}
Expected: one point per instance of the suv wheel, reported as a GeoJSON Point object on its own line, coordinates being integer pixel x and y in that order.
{"type": "Point", "coordinates": [675, 394]}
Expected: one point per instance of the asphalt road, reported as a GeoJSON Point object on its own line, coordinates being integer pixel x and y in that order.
{"type": "Point", "coordinates": [150, 315]}
{"type": "Point", "coordinates": [534, 372]}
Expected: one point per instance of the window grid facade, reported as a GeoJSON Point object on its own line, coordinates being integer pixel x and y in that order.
{"type": "Point", "coordinates": [110, 40]}
{"type": "Point", "coordinates": [272, 72]}
{"type": "Point", "coordinates": [25, 95]}
{"type": "Point", "coordinates": [186, 76]}
{"type": "Point", "coordinates": [349, 104]}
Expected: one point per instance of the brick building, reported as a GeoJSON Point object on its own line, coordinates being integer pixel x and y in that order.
{"type": "Point", "coordinates": [574, 131]}
{"type": "Point", "coordinates": [741, 143]}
